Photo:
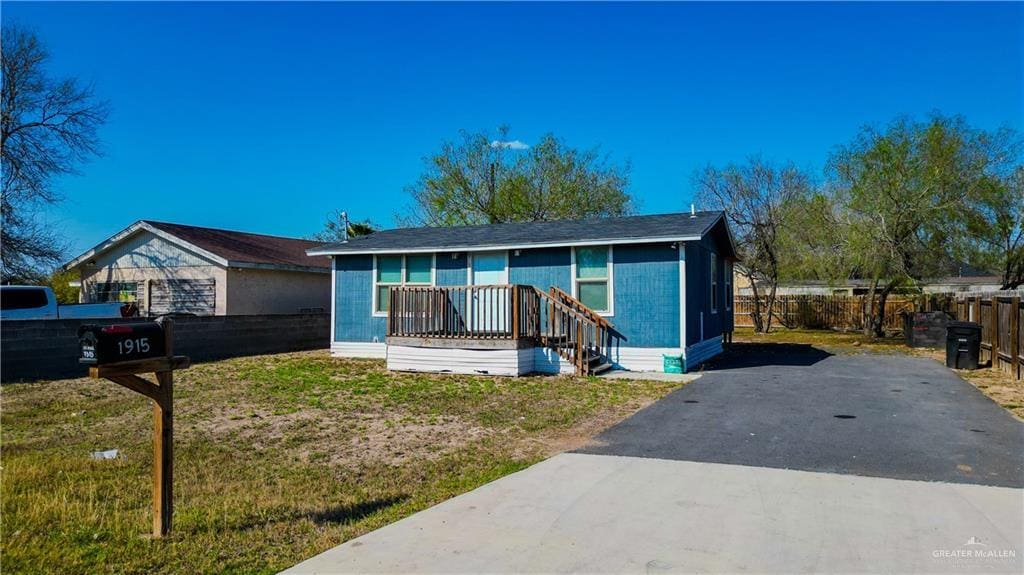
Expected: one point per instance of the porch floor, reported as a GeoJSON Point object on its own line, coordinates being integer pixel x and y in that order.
{"type": "Point", "coordinates": [477, 341]}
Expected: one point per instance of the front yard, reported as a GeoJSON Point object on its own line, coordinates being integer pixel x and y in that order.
{"type": "Point", "coordinates": [277, 458]}
{"type": "Point", "coordinates": [999, 387]}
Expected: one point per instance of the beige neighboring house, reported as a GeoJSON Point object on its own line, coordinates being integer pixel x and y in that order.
{"type": "Point", "coordinates": [174, 268]}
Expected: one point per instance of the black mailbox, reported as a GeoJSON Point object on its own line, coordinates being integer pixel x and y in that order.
{"type": "Point", "coordinates": [102, 344]}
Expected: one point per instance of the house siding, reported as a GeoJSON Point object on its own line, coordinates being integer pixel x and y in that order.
{"type": "Point", "coordinates": [451, 271]}
{"type": "Point", "coordinates": [698, 293]}
{"type": "Point", "coordinates": [542, 268]}
{"type": "Point", "coordinates": [146, 250]}
{"type": "Point", "coordinates": [353, 317]}
{"type": "Point", "coordinates": [646, 295]}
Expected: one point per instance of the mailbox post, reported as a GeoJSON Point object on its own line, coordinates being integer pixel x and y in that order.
{"type": "Point", "coordinates": [119, 353]}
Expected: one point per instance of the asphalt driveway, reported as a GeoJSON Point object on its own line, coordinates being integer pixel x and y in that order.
{"type": "Point", "coordinates": [748, 469]}
{"type": "Point", "coordinates": [797, 407]}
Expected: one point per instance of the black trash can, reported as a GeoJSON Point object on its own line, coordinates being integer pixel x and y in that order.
{"type": "Point", "coordinates": [963, 344]}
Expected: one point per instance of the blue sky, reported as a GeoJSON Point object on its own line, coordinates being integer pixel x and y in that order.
{"type": "Point", "coordinates": [265, 117]}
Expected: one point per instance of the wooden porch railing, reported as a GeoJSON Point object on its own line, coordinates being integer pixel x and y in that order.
{"type": "Point", "coordinates": [503, 312]}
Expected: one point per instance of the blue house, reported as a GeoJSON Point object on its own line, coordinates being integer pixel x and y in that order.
{"type": "Point", "coordinates": [551, 297]}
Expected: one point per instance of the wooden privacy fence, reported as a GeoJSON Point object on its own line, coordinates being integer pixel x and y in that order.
{"type": "Point", "coordinates": [829, 311]}
{"type": "Point", "coordinates": [1002, 339]}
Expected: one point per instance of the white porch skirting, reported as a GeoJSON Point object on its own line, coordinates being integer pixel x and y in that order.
{"type": "Point", "coordinates": [515, 361]}
{"type": "Point", "coordinates": [359, 349]}
{"type": "Point", "coordinates": [459, 360]}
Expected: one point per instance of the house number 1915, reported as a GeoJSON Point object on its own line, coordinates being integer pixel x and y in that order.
{"type": "Point", "coordinates": [130, 346]}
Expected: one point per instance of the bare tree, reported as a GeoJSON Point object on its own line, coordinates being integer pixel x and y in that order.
{"type": "Point", "coordinates": [755, 198]}
{"type": "Point", "coordinates": [47, 127]}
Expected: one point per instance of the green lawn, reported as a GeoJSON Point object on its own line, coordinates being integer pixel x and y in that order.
{"type": "Point", "coordinates": [277, 458]}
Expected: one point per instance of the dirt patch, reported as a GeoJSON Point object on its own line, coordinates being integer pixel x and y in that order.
{"type": "Point", "coordinates": [1000, 387]}
{"type": "Point", "coordinates": [585, 433]}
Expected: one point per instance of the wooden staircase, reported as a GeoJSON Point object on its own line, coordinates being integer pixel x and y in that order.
{"type": "Point", "coordinates": [575, 332]}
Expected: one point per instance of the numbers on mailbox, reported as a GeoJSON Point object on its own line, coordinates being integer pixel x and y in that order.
{"type": "Point", "coordinates": [130, 346]}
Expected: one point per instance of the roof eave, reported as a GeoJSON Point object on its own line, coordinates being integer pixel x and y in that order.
{"type": "Point", "coordinates": [131, 230]}
{"type": "Point", "coordinates": [278, 267]}
{"type": "Point", "coordinates": [329, 251]}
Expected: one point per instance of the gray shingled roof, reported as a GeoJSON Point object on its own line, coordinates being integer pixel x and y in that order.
{"type": "Point", "coordinates": [625, 229]}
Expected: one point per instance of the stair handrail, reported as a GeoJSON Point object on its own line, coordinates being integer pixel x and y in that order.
{"type": "Point", "coordinates": [581, 354]}
{"type": "Point", "coordinates": [581, 307]}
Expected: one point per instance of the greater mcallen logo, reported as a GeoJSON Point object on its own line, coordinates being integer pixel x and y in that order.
{"type": "Point", "coordinates": [975, 548]}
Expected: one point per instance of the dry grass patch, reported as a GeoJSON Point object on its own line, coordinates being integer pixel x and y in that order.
{"type": "Point", "coordinates": [277, 458]}
{"type": "Point", "coordinates": [1003, 389]}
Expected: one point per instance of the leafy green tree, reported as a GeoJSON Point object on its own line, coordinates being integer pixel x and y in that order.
{"type": "Point", "coordinates": [48, 126]}
{"type": "Point", "coordinates": [60, 282]}
{"type": "Point", "coordinates": [756, 198]}
{"type": "Point", "coordinates": [479, 179]}
{"type": "Point", "coordinates": [995, 228]}
{"type": "Point", "coordinates": [903, 193]}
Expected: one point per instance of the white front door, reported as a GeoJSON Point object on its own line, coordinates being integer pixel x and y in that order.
{"type": "Point", "coordinates": [489, 308]}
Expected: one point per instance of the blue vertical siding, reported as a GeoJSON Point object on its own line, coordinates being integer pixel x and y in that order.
{"type": "Point", "coordinates": [451, 271]}
{"type": "Point", "coordinates": [646, 290]}
{"type": "Point", "coordinates": [698, 292]}
{"type": "Point", "coordinates": [353, 300]}
{"type": "Point", "coordinates": [646, 295]}
{"type": "Point", "coordinates": [541, 268]}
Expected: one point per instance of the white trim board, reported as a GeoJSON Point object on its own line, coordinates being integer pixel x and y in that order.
{"type": "Point", "coordinates": [334, 300]}
{"type": "Point", "coordinates": [682, 295]}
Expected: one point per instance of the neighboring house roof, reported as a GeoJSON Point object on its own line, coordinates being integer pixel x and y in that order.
{"type": "Point", "coordinates": [225, 247]}
{"type": "Point", "coordinates": [596, 231]}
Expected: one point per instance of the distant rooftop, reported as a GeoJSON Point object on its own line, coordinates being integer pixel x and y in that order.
{"type": "Point", "coordinates": [246, 247]}
{"type": "Point", "coordinates": [232, 247]}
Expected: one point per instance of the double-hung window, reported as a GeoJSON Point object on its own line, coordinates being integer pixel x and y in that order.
{"type": "Point", "coordinates": [390, 271]}
{"type": "Point", "coordinates": [714, 283]}
{"type": "Point", "coordinates": [592, 283]}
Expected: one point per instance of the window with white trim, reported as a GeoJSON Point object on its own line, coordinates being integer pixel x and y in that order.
{"type": "Point", "coordinates": [728, 285]}
{"type": "Point", "coordinates": [392, 271]}
{"type": "Point", "coordinates": [714, 283]}
{"type": "Point", "coordinates": [592, 284]}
